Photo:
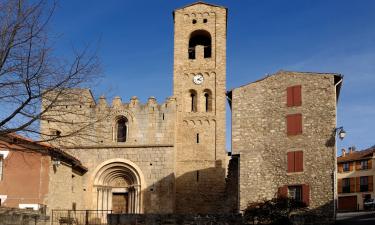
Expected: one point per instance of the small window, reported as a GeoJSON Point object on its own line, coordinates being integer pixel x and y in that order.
{"type": "Point", "coordinates": [346, 167]}
{"type": "Point", "coordinates": [122, 129]}
{"type": "Point", "coordinates": [204, 20]}
{"type": "Point", "coordinates": [294, 124]}
{"type": "Point", "coordinates": [194, 21]}
{"type": "Point", "coordinates": [294, 97]}
{"type": "Point", "coordinates": [208, 100]}
{"type": "Point", "coordinates": [346, 185]}
{"type": "Point", "coordinates": [295, 192]}
{"type": "Point", "coordinates": [193, 100]}
{"type": "Point", "coordinates": [197, 138]}
{"type": "Point", "coordinates": [363, 181]}
{"type": "Point", "coordinates": [364, 165]}
{"type": "Point", "coordinates": [197, 175]}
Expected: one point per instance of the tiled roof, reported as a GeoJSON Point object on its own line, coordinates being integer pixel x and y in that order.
{"type": "Point", "coordinates": [356, 155]}
{"type": "Point", "coordinates": [51, 150]}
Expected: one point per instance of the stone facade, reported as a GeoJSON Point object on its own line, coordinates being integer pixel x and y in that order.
{"type": "Point", "coordinates": [176, 153]}
{"type": "Point", "coordinates": [200, 138]}
{"type": "Point", "coordinates": [259, 136]}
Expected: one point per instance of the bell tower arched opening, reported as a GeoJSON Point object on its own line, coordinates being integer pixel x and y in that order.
{"type": "Point", "coordinates": [200, 38]}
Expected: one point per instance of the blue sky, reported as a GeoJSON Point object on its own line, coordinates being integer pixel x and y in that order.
{"type": "Point", "coordinates": [136, 47]}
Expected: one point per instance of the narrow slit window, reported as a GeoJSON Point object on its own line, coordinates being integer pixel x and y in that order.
{"type": "Point", "coordinates": [198, 138]}
{"type": "Point", "coordinates": [197, 175]}
{"type": "Point", "coordinates": [193, 100]}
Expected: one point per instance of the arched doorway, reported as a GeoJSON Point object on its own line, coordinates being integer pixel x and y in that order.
{"type": "Point", "coordinates": [118, 184]}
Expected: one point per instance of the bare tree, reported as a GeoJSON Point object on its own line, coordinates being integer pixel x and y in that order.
{"type": "Point", "coordinates": [34, 82]}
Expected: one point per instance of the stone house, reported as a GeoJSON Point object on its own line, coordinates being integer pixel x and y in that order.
{"type": "Point", "coordinates": [283, 134]}
{"type": "Point", "coordinates": [355, 178]}
{"type": "Point", "coordinates": [34, 175]}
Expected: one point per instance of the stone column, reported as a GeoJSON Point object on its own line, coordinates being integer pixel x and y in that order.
{"type": "Point", "coordinates": [99, 198]}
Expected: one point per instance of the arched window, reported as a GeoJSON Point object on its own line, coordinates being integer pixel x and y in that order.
{"type": "Point", "coordinates": [208, 100]}
{"type": "Point", "coordinates": [122, 129]}
{"type": "Point", "coordinates": [200, 37]}
{"type": "Point", "coordinates": [193, 100]}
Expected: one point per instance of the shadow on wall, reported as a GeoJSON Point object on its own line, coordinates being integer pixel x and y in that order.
{"type": "Point", "coordinates": [201, 191]}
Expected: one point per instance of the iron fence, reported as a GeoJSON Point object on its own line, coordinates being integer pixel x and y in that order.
{"type": "Point", "coordinates": [79, 217]}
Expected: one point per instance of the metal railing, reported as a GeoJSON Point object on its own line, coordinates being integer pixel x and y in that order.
{"type": "Point", "coordinates": [79, 217]}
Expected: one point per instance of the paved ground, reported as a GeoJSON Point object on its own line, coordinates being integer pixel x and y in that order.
{"type": "Point", "coordinates": [354, 218]}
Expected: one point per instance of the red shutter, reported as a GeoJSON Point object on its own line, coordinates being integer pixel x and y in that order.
{"type": "Point", "coordinates": [289, 96]}
{"type": "Point", "coordinates": [352, 185]}
{"type": "Point", "coordinates": [357, 184]}
{"type": "Point", "coordinates": [297, 97]}
{"type": "Point", "coordinates": [351, 166]}
{"type": "Point", "coordinates": [339, 186]}
{"type": "Point", "coordinates": [306, 194]}
{"type": "Point", "coordinates": [290, 162]}
{"type": "Point", "coordinates": [298, 161]}
{"type": "Point", "coordinates": [282, 192]}
{"type": "Point", "coordinates": [357, 165]}
{"type": "Point", "coordinates": [369, 163]}
{"type": "Point", "coordinates": [298, 123]}
{"type": "Point", "coordinates": [370, 183]}
{"type": "Point", "coordinates": [294, 124]}
{"type": "Point", "coordinates": [340, 168]}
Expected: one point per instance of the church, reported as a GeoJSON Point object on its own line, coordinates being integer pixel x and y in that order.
{"type": "Point", "coordinates": [170, 157]}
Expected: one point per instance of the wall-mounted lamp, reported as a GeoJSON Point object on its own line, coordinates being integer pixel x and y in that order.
{"type": "Point", "coordinates": [56, 162]}
{"type": "Point", "coordinates": [340, 132]}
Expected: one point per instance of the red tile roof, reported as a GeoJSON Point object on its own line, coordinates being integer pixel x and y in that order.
{"type": "Point", "coordinates": [51, 150]}
{"type": "Point", "coordinates": [357, 155]}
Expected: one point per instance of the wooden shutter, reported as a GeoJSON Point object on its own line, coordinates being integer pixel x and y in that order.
{"type": "Point", "coordinates": [289, 96]}
{"type": "Point", "coordinates": [339, 186]}
{"type": "Point", "coordinates": [369, 164]}
{"type": "Point", "coordinates": [370, 183]}
{"type": "Point", "coordinates": [357, 165]}
{"type": "Point", "coordinates": [290, 162]}
{"type": "Point", "coordinates": [352, 185]}
{"type": "Point", "coordinates": [298, 160]}
{"type": "Point", "coordinates": [306, 194]}
{"type": "Point", "coordinates": [297, 97]}
{"type": "Point", "coordinates": [283, 192]}
{"type": "Point", "coordinates": [357, 184]}
{"type": "Point", "coordinates": [351, 166]}
{"type": "Point", "coordinates": [340, 168]}
{"type": "Point", "coordinates": [294, 124]}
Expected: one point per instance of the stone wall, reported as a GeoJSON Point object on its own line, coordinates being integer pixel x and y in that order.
{"type": "Point", "coordinates": [174, 219]}
{"type": "Point", "coordinates": [200, 134]}
{"type": "Point", "coordinates": [259, 135]}
{"type": "Point", "coordinates": [65, 188]}
{"type": "Point", "coordinates": [13, 216]}
{"type": "Point", "coordinates": [155, 163]}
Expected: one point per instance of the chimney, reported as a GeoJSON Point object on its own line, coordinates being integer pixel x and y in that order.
{"type": "Point", "coordinates": [343, 152]}
{"type": "Point", "coordinates": [351, 149]}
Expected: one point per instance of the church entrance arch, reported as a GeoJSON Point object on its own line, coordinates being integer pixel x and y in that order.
{"type": "Point", "coordinates": [118, 185]}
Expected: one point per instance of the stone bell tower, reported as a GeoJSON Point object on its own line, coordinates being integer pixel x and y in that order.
{"type": "Point", "coordinates": [199, 87]}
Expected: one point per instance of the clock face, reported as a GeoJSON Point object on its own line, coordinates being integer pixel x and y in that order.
{"type": "Point", "coordinates": [198, 79]}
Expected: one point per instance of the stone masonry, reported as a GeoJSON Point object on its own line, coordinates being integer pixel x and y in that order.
{"type": "Point", "coordinates": [259, 136]}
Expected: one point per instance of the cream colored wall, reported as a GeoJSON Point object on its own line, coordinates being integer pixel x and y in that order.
{"type": "Point", "coordinates": [358, 173]}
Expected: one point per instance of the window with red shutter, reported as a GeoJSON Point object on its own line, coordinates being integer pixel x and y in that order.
{"type": "Point", "coordinates": [294, 96]}
{"type": "Point", "coordinates": [282, 192]}
{"type": "Point", "coordinates": [306, 194]}
{"type": "Point", "coordinates": [294, 124]}
{"type": "Point", "coordinates": [295, 161]}
{"type": "Point", "coordinates": [298, 160]}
